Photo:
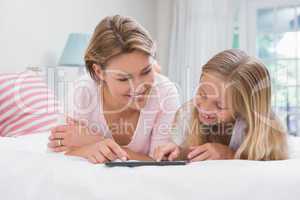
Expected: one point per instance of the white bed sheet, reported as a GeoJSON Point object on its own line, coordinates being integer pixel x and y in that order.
{"type": "Point", "coordinates": [28, 171]}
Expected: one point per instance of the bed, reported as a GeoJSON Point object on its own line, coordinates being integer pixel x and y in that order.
{"type": "Point", "coordinates": [29, 171]}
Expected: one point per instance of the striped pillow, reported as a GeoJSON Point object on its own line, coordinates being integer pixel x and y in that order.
{"type": "Point", "coordinates": [26, 104]}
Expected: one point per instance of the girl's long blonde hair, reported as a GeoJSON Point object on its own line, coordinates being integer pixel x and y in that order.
{"type": "Point", "coordinates": [250, 87]}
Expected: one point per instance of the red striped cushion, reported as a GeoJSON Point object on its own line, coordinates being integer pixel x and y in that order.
{"type": "Point", "coordinates": [26, 105]}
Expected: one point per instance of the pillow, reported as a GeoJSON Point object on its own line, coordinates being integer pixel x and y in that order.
{"type": "Point", "coordinates": [26, 104]}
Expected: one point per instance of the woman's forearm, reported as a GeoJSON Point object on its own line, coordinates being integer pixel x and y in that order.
{"type": "Point", "coordinates": [82, 151]}
{"type": "Point", "coordinates": [88, 137]}
{"type": "Point", "coordinates": [91, 139]}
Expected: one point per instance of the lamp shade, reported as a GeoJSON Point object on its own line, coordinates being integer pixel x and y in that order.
{"type": "Point", "coordinates": [74, 50]}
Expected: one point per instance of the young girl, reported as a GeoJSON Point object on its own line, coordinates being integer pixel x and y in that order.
{"type": "Point", "coordinates": [230, 117]}
{"type": "Point", "coordinates": [124, 109]}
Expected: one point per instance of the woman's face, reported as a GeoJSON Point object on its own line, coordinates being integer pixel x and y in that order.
{"type": "Point", "coordinates": [212, 100]}
{"type": "Point", "coordinates": [129, 78]}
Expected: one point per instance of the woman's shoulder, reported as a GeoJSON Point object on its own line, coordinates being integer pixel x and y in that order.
{"type": "Point", "coordinates": [164, 95]}
{"type": "Point", "coordinates": [164, 84]}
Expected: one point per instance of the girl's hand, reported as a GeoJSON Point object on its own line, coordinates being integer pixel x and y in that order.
{"type": "Point", "coordinates": [168, 151]}
{"type": "Point", "coordinates": [210, 151]}
{"type": "Point", "coordinates": [71, 135]}
{"type": "Point", "coordinates": [100, 152]}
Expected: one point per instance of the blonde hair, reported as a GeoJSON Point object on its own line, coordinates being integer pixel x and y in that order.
{"type": "Point", "coordinates": [250, 86]}
{"type": "Point", "coordinates": [113, 36]}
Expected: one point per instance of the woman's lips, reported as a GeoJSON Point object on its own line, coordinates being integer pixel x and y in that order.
{"type": "Point", "coordinates": [137, 96]}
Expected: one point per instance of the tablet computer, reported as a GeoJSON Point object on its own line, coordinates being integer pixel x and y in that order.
{"type": "Point", "coordinates": [144, 163]}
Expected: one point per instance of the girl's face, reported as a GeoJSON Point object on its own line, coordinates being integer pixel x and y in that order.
{"type": "Point", "coordinates": [212, 100]}
{"type": "Point", "coordinates": [129, 78]}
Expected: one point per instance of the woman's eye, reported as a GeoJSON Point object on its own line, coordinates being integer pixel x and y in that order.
{"type": "Point", "coordinates": [147, 72]}
{"type": "Point", "coordinates": [123, 79]}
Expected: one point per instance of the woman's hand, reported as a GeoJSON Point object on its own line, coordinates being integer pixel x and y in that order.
{"type": "Point", "coordinates": [210, 151]}
{"type": "Point", "coordinates": [100, 152]}
{"type": "Point", "coordinates": [168, 151]}
{"type": "Point", "coordinates": [71, 135]}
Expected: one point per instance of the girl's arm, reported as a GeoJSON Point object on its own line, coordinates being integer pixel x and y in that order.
{"type": "Point", "coordinates": [210, 151]}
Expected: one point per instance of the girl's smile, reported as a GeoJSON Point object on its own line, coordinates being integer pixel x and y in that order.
{"type": "Point", "coordinates": [207, 119]}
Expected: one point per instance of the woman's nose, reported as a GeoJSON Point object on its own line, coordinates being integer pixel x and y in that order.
{"type": "Point", "coordinates": [137, 86]}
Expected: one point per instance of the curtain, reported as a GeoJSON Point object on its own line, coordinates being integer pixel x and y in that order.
{"type": "Point", "coordinates": [200, 29]}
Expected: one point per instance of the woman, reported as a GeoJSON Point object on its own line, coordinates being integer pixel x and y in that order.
{"type": "Point", "coordinates": [124, 109]}
{"type": "Point", "coordinates": [230, 117]}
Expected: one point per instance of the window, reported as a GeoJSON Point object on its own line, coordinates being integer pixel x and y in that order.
{"type": "Point", "coordinates": [271, 31]}
{"type": "Point", "coordinates": [278, 45]}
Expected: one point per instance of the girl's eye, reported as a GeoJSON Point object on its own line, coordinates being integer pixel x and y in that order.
{"type": "Point", "coordinates": [202, 96]}
{"type": "Point", "coordinates": [220, 107]}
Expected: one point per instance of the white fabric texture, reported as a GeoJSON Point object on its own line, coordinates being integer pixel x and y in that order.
{"type": "Point", "coordinates": [28, 171]}
{"type": "Point", "coordinates": [200, 29]}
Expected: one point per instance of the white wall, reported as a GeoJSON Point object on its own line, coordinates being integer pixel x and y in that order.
{"type": "Point", "coordinates": [33, 32]}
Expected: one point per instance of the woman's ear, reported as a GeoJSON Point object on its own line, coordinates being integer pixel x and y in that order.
{"type": "Point", "coordinates": [98, 71]}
